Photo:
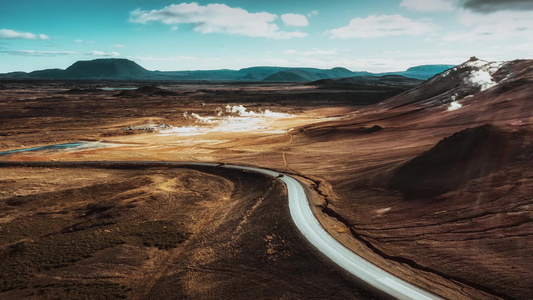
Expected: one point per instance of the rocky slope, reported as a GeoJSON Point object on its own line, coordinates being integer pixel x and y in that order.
{"type": "Point", "coordinates": [456, 84]}
{"type": "Point", "coordinates": [444, 187]}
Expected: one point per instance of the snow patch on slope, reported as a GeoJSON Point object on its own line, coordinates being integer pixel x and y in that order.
{"type": "Point", "coordinates": [478, 73]}
{"type": "Point", "coordinates": [454, 106]}
{"type": "Point", "coordinates": [482, 74]}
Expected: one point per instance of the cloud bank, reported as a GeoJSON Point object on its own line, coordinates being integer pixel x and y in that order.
{"type": "Point", "coordinates": [38, 52]}
{"type": "Point", "coordinates": [12, 34]}
{"type": "Point", "coordinates": [428, 5]}
{"type": "Point", "coordinates": [218, 18]}
{"type": "Point", "coordinates": [104, 54]}
{"type": "Point", "coordinates": [294, 20]}
{"type": "Point", "coordinates": [487, 6]}
{"type": "Point", "coordinates": [381, 26]}
{"type": "Point", "coordinates": [493, 27]}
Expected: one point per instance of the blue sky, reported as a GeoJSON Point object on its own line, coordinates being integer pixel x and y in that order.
{"type": "Point", "coordinates": [385, 35]}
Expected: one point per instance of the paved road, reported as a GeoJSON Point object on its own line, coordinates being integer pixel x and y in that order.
{"type": "Point", "coordinates": [310, 227]}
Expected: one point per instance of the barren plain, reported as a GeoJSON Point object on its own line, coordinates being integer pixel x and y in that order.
{"type": "Point", "coordinates": [152, 232]}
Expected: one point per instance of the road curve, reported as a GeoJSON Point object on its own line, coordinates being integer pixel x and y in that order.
{"type": "Point", "coordinates": [308, 225]}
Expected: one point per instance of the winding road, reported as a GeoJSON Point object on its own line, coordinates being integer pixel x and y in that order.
{"type": "Point", "coordinates": [308, 225]}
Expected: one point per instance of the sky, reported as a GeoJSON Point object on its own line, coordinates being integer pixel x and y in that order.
{"type": "Point", "coordinates": [361, 35]}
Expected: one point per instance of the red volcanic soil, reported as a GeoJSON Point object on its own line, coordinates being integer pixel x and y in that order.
{"type": "Point", "coordinates": [466, 155]}
{"type": "Point", "coordinates": [439, 197]}
{"type": "Point", "coordinates": [445, 193]}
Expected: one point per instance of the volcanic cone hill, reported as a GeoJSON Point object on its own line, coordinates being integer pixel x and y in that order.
{"type": "Point", "coordinates": [107, 68]}
{"type": "Point", "coordinates": [468, 154]}
{"type": "Point", "coordinates": [294, 75]}
{"type": "Point", "coordinates": [103, 68]}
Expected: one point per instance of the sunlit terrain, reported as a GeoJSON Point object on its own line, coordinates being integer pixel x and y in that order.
{"type": "Point", "coordinates": [266, 150]}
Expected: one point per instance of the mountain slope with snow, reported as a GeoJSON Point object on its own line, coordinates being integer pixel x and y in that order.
{"type": "Point", "coordinates": [456, 84]}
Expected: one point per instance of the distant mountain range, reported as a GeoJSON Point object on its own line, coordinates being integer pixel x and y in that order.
{"type": "Point", "coordinates": [365, 81]}
{"type": "Point", "coordinates": [124, 69]}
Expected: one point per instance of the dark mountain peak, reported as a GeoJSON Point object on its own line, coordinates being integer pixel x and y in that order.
{"type": "Point", "coordinates": [106, 68]}
{"type": "Point", "coordinates": [262, 69]}
{"type": "Point", "coordinates": [341, 70]}
{"type": "Point", "coordinates": [291, 75]}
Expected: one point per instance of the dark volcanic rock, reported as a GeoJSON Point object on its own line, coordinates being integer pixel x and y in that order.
{"type": "Point", "coordinates": [146, 91]}
{"type": "Point", "coordinates": [468, 154]}
{"type": "Point", "coordinates": [75, 91]}
{"type": "Point", "coordinates": [329, 133]}
{"type": "Point", "coordinates": [373, 129]}
{"type": "Point", "coordinates": [366, 81]}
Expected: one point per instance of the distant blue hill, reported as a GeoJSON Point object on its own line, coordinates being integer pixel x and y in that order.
{"type": "Point", "coordinates": [422, 72]}
{"type": "Point", "coordinates": [124, 69]}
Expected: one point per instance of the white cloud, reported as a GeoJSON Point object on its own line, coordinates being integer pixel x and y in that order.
{"type": "Point", "coordinates": [100, 53]}
{"type": "Point", "coordinates": [313, 13]}
{"type": "Point", "coordinates": [290, 51]}
{"type": "Point", "coordinates": [311, 52]}
{"type": "Point", "coordinates": [168, 59]}
{"type": "Point", "coordinates": [428, 5]}
{"type": "Point", "coordinates": [12, 34]}
{"type": "Point", "coordinates": [380, 26]}
{"type": "Point", "coordinates": [294, 20]}
{"type": "Point", "coordinates": [216, 18]}
{"type": "Point", "coordinates": [119, 46]}
{"type": "Point", "coordinates": [174, 28]}
{"type": "Point", "coordinates": [523, 47]}
{"type": "Point", "coordinates": [80, 41]}
{"type": "Point", "coordinates": [494, 27]}
{"type": "Point", "coordinates": [38, 53]}
{"type": "Point", "coordinates": [320, 52]}
{"type": "Point", "coordinates": [391, 52]}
